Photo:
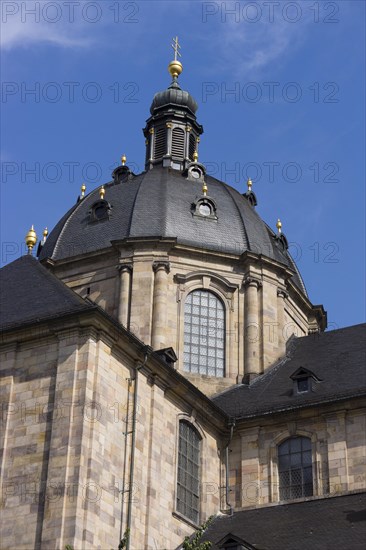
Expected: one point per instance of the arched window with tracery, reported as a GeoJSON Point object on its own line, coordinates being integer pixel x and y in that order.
{"type": "Point", "coordinates": [295, 469]}
{"type": "Point", "coordinates": [204, 334]}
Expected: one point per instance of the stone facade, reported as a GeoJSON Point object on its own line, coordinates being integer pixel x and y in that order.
{"type": "Point", "coordinates": [146, 285]}
{"type": "Point", "coordinates": [338, 452]}
{"type": "Point", "coordinates": [67, 405]}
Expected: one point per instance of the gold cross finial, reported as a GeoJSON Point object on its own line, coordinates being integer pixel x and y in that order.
{"type": "Point", "coordinates": [176, 47]}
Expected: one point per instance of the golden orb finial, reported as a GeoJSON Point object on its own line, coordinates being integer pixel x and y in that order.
{"type": "Point", "coordinates": [249, 184]}
{"type": "Point", "coordinates": [204, 189]}
{"type": "Point", "coordinates": [175, 67]}
{"type": "Point", "coordinates": [279, 226]}
{"type": "Point", "coordinates": [31, 239]}
{"type": "Point", "coordinates": [195, 156]}
{"type": "Point", "coordinates": [83, 189]}
{"type": "Point", "coordinates": [123, 159]}
{"type": "Point", "coordinates": [102, 192]}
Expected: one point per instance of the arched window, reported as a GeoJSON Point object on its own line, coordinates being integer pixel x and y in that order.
{"type": "Point", "coordinates": [204, 334]}
{"type": "Point", "coordinates": [188, 481]}
{"type": "Point", "coordinates": [192, 145]}
{"type": "Point", "coordinates": [178, 143]}
{"type": "Point", "coordinates": [160, 143]}
{"type": "Point", "coordinates": [295, 468]}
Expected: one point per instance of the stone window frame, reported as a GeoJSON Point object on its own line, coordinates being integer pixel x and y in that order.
{"type": "Point", "coordinates": [219, 343]}
{"type": "Point", "coordinates": [298, 479]}
{"type": "Point", "coordinates": [223, 289]}
{"type": "Point", "coordinates": [274, 484]}
{"type": "Point", "coordinates": [189, 419]}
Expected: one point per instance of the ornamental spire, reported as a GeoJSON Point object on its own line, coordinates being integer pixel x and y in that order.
{"type": "Point", "coordinates": [279, 226]}
{"type": "Point", "coordinates": [175, 67]}
{"type": "Point", "coordinates": [30, 239]}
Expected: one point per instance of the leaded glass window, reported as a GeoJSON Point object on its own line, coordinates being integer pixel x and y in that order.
{"type": "Point", "coordinates": [295, 468]}
{"type": "Point", "coordinates": [188, 484]}
{"type": "Point", "coordinates": [204, 334]}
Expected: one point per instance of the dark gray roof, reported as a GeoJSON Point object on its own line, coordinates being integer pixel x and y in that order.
{"type": "Point", "coordinates": [30, 293]}
{"type": "Point", "coordinates": [158, 203]}
{"type": "Point", "coordinates": [336, 523]}
{"type": "Point", "coordinates": [174, 97]}
{"type": "Point", "coordinates": [336, 358]}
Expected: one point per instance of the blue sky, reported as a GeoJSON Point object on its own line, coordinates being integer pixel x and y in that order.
{"type": "Point", "coordinates": [280, 88]}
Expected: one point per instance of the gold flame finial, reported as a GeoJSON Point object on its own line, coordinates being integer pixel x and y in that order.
{"type": "Point", "coordinates": [279, 226]}
{"type": "Point", "coordinates": [204, 189]}
{"type": "Point", "coordinates": [83, 189]}
{"type": "Point", "coordinates": [31, 239]}
{"type": "Point", "coordinates": [175, 67]}
{"type": "Point", "coordinates": [123, 159]}
{"type": "Point", "coordinates": [102, 192]}
{"type": "Point", "coordinates": [249, 184]}
{"type": "Point", "coordinates": [195, 156]}
{"type": "Point", "coordinates": [45, 234]}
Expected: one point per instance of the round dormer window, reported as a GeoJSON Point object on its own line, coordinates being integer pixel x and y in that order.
{"type": "Point", "coordinates": [100, 210]}
{"type": "Point", "coordinates": [204, 209]}
{"type": "Point", "coordinates": [196, 174]}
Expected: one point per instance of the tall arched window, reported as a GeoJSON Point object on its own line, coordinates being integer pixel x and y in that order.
{"type": "Point", "coordinates": [188, 481]}
{"type": "Point", "coordinates": [204, 334]}
{"type": "Point", "coordinates": [295, 468]}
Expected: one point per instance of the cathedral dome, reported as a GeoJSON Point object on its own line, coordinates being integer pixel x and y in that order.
{"type": "Point", "coordinates": [164, 203]}
{"type": "Point", "coordinates": [172, 199]}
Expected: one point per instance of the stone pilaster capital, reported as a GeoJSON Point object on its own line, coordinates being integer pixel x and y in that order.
{"type": "Point", "coordinates": [160, 265]}
{"type": "Point", "coordinates": [251, 281]}
{"type": "Point", "coordinates": [282, 293]}
{"type": "Point", "coordinates": [127, 266]}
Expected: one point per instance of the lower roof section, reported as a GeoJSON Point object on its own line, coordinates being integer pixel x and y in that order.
{"type": "Point", "coordinates": [336, 523]}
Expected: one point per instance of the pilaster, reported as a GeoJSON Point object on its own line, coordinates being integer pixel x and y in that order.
{"type": "Point", "coordinates": [125, 271]}
{"type": "Point", "coordinates": [161, 270]}
{"type": "Point", "coordinates": [252, 329]}
{"type": "Point", "coordinates": [337, 452]}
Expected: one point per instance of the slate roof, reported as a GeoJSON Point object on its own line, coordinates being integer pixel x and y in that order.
{"type": "Point", "coordinates": [158, 203]}
{"type": "Point", "coordinates": [336, 358]}
{"type": "Point", "coordinates": [336, 523]}
{"type": "Point", "coordinates": [30, 293]}
{"type": "Point", "coordinates": [173, 97]}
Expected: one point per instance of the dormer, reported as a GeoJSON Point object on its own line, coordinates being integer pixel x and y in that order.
{"type": "Point", "coordinates": [231, 542]}
{"type": "Point", "coordinates": [303, 381]}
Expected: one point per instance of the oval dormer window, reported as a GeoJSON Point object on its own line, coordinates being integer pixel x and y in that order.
{"type": "Point", "coordinates": [204, 207]}
{"type": "Point", "coordinates": [100, 211]}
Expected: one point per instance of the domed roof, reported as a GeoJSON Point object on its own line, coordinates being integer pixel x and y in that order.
{"type": "Point", "coordinates": [173, 96]}
{"type": "Point", "coordinates": [158, 203]}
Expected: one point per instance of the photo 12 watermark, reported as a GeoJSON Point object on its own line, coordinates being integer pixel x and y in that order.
{"type": "Point", "coordinates": [270, 12]}
{"type": "Point", "coordinates": [70, 12]}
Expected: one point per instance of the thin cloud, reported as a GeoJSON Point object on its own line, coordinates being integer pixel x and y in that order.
{"type": "Point", "coordinates": [248, 48]}
{"type": "Point", "coordinates": [22, 28]}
